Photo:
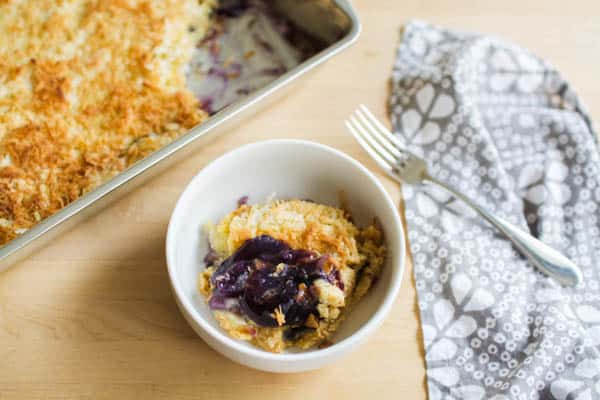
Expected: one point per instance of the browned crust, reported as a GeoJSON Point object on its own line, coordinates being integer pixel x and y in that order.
{"type": "Point", "coordinates": [302, 225]}
{"type": "Point", "coordinates": [83, 95]}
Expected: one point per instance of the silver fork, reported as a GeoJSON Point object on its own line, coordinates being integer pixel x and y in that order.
{"type": "Point", "coordinates": [405, 167]}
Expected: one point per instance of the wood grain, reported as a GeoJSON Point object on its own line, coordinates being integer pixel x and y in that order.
{"type": "Point", "coordinates": [91, 316]}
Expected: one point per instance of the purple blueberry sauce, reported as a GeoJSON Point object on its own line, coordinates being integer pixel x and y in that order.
{"type": "Point", "coordinates": [242, 200]}
{"type": "Point", "coordinates": [265, 274]}
{"type": "Point", "coordinates": [249, 45]}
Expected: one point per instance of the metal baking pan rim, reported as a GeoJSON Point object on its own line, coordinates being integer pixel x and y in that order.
{"type": "Point", "coordinates": [9, 252]}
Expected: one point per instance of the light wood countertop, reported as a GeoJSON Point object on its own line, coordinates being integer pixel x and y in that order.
{"type": "Point", "coordinates": [92, 316]}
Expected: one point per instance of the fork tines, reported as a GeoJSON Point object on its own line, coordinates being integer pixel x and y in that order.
{"type": "Point", "coordinates": [375, 138]}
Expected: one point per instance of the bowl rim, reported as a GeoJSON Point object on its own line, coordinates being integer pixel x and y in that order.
{"type": "Point", "coordinates": [364, 331]}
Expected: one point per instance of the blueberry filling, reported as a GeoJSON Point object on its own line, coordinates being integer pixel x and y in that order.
{"type": "Point", "coordinates": [265, 275]}
{"type": "Point", "coordinates": [295, 333]}
{"type": "Point", "coordinates": [242, 200]}
{"type": "Point", "coordinates": [211, 257]}
{"type": "Point", "coordinates": [232, 8]}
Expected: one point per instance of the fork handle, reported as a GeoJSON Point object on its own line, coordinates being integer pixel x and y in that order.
{"type": "Point", "coordinates": [544, 257]}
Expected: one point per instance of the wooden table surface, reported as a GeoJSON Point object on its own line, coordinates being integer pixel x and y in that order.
{"type": "Point", "coordinates": [91, 316]}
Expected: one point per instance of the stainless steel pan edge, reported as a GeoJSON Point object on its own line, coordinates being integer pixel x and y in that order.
{"type": "Point", "coordinates": [89, 204]}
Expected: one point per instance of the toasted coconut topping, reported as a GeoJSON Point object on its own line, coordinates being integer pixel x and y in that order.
{"type": "Point", "coordinates": [279, 316]}
{"type": "Point", "coordinates": [301, 224]}
{"type": "Point", "coordinates": [356, 254]}
{"type": "Point", "coordinates": [88, 87]}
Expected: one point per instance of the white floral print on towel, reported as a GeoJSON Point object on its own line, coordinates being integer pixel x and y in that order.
{"type": "Point", "coordinates": [503, 127]}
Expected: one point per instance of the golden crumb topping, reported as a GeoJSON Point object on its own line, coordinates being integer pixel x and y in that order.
{"type": "Point", "coordinates": [301, 224]}
{"type": "Point", "coordinates": [357, 255]}
{"type": "Point", "coordinates": [87, 87]}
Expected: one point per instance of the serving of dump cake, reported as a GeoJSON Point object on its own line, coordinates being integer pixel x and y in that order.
{"type": "Point", "coordinates": [285, 274]}
{"type": "Point", "coordinates": [88, 87]}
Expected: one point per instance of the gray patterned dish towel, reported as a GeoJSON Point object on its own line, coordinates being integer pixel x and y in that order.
{"type": "Point", "coordinates": [503, 127]}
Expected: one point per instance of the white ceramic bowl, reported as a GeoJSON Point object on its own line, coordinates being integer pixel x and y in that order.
{"type": "Point", "coordinates": [290, 169]}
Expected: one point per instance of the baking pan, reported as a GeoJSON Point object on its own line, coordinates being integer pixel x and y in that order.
{"type": "Point", "coordinates": [333, 23]}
